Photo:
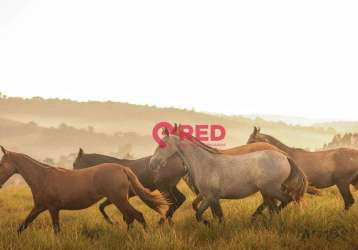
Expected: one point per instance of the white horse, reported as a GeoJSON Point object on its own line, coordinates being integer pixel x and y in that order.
{"type": "Point", "coordinates": [219, 176]}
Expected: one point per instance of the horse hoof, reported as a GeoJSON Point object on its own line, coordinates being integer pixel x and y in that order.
{"type": "Point", "coordinates": [170, 222]}
{"type": "Point", "coordinates": [253, 219]}
{"type": "Point", "coordinates": [20, 230]}
{"type": "Point", "coordinates": [145, 228]}
{"type": "Point", "coordinates": [207, 223]}
{"type": "Point", "coordinates": [130, 226]}
{"type": "Point", "coordinates": [161, 221]}
{"type": "Point", "coordinates": [110, 222]}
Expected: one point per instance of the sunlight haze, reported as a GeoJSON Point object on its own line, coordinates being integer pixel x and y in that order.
{"type": "Point", "coordinates": [287, 58]}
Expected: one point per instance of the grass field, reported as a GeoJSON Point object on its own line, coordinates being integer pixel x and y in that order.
{"type": "Point", "coordinates": [320, 223]}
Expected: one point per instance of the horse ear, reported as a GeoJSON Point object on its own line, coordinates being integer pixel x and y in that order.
{"type": "Point", "coordinates": [3, 150]}
{"type": "Point", "coordinates": [165, 131]}
{"type": "Point", "coordinates": [255, 130]}
{"type": "Point", "coordinates": [175, 128]}
{"type": "Point", "coordinates": [80, 152]}
{"type": "Point", "coordinates": [258, 130]}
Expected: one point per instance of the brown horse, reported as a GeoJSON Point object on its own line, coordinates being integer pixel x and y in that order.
{"type": "Point", "coordinates": [54, 189]}
{"type": "Point", "coordinates": [323, 168]}
{"type": "Point", "coordinates": [165, 182]}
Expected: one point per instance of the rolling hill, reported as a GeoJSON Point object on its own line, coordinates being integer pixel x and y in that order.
{"type": "Point", "coordinates": [53, 127]}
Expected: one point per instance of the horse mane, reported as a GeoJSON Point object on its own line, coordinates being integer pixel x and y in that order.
{"type": "Point", "coordinates": [36, 162]}
{"type": "Point", "coordinates": [203, 145]}
{"type": "Point", "coordinates": [99, 157]}
{"type": "Point", "coordinates": [195, 140]}
{"type": "Point", "coordinates": [206, 147]}
{"type": "Point", "coordinates": [41, 164]}
{"type": "Point", "coordinates": [280, 144]}
{"type": "Point", "coordinates": [95, 155]}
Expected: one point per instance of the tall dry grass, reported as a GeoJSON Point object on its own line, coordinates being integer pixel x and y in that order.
{"type": "Point", "coordinates": [320, 223]}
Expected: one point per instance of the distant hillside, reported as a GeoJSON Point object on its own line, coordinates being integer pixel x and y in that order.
{"type": "Point", "coordinates": [293, 120]}
{"type": "Point", "coordinates": [108, 118]}
{"type": "Point", "coordinates": [41, 142]}
{"type": "Point", "coordinates": [340, 126]}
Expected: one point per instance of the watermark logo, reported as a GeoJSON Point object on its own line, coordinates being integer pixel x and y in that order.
{"type": "Point", "coordinates": [201, 132]}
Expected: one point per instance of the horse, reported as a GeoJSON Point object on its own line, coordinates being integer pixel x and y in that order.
{"type": "Point", "coordinates": [54, 189]}
{"type": "Point", "coordinates": [165, 182]}
{"type": "Point", "coordinates": [219, 176]}
{"type": "Point", "coordinates": [323, 168]}
{"type": "Point", "coordinates": [238, 150]}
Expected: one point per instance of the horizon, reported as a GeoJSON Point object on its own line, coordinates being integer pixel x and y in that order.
{"type": "Point", "coordinates": [289, 120]}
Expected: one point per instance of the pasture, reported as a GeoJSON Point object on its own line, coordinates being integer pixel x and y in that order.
{"type": "Point", "coordinates": [320, 223]}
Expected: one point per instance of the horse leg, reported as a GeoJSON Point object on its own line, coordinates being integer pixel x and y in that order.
{"type": "Point", "coordinates": [285, 200]}
{"type": "Point", "coordinates": [55, 216]}
{"type": "Point", "coordinates": [269, 202]}
{"type": "Point", "coordinates": [129, 212]}
{"type": "Point", "coordinates": [258, 211]}
{"type": "Point", "coordinates": [172, 202]}
{"type": "Point", "coordinates": [270, 196]}
{"type": "Point", "coordinates": [102, 206]}
{"type": "Point", "coordinates": [217, 210]}
{"type": "Point", "coordinates": [272, 206]}
{"type": "Point", "coordinates": [260, 208]}
{"type": "Point", "coordinates": [201, 209]}
{"type": "Point", "coordinates": [177, 199]}
{"type": "Point", "coordinates": [346, 194]}
{"type": "Point", "coordinates": [196, 202]}
{"type": "Point", "coordinates": [180, 199]}
{"type": "Point", "coordinates": [30, 218]}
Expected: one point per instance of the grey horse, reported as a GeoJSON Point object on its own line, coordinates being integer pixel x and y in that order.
{"type": "Point", "coordinates": [219, 176]}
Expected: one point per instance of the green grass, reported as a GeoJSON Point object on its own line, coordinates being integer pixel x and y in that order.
{"type": "Point", "coordinates": [320, 223]}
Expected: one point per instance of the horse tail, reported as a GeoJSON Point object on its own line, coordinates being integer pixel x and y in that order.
{"type": "Point", "coordinates": [296, 183]}
{"type": "Point", "coordinates": [155, 201]}
{"type": "Point", "coordinates": [313, 191]}
{"type": "Point", "coordinates": [196, 202]}
{"type": "Point", "coordinates": [355, 183]}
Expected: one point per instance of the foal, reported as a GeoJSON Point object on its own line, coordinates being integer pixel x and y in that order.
{"type": "Point", "coordinates": [54, 189]}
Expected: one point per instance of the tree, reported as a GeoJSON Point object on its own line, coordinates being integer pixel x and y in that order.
{"type": "Point", "coordinates": [125, 151]}
{"type": "Point", "coordinates": [91, 129]}
{"type": "Point", "coordinates": [32, 124]}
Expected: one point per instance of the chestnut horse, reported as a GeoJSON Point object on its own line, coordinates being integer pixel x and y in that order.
{"type": "Point", "coordinates": [165, 182]}
{"type": "Point", "coordinates": [55, 189]}
{"type": "Point", "coordinates": [323, 168]}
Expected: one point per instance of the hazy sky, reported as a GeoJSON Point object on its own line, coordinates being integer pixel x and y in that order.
{"type": "Point", "coordinates": [297, 58]}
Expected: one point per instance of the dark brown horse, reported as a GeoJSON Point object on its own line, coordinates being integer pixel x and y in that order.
{"type": "Point", "coordinates": [165, 182]}
{"type": "Point", "coordinates": [323, 168]}
{"type": "Point", "coordinates": [55, 189]}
